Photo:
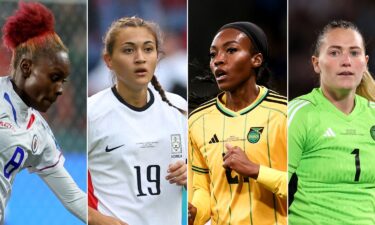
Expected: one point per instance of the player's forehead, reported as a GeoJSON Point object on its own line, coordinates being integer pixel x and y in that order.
{"type": "Point", "coordinates": [342, 38]}
{"type": "Point", "coordinates": [230, 36]}
{"type": "Point", "coordinates": [136, 36]}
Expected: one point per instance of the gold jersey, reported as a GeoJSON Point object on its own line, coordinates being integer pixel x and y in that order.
{"type": "Point", "coordinates": [223, 195]}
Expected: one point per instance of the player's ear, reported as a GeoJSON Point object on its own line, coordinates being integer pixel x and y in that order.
{"type": "Point", "coordinates": [257, 60]}
{"type": "Point", "coordinates": [108, 60]}
{"type": "Point", "coordinates": [315, 63]}
{"type": "Point", "coordinates": [25, 67]}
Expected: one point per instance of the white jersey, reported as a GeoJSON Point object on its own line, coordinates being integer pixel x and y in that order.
{"type": "Point", "coordinates": [130, 150]}
{"type": "Point", "coordinates": [26, 141]}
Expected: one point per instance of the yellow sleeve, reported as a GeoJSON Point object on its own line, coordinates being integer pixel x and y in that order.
{"type": "Point", "coordinates": [190, 172]}
{"type": "Point", "coordinates": [199, 190]}
{"type": "Point", "coordinates": [201, 198]}
{"type": "Point", "coordinates": [273, 180]}
{"type": "Point", "coordinates": [276, 179]}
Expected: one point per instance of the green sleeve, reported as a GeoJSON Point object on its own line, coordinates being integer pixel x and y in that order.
{"type": "Point", "coordinates": [297, 123]}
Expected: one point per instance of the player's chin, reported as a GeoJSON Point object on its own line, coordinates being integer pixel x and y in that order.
{"type": "Point", "coordinates": [226, 86]}
{"type": "Point", "coordinates": [42, 106]}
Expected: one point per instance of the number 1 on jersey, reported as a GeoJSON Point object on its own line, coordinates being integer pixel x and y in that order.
{"type": "Point", "coordinates": [357, 164]}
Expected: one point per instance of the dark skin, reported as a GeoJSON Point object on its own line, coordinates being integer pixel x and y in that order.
{"type": "Point", "coordinates": [233, 63]}
{"type": "Point", "coordinates": [39, 82]}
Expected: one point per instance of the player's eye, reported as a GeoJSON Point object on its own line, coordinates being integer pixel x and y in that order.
{"type": "Point", "coordinates": [355, 53]}
{"type": "Point", "coordinates": [55, 77]}
{"type": "Point", "coordinates": [212, 54]}
{"type": "Point", "coordinates": [149, 49]}
{"type": "Point", "coordinates": [231, 50]}
{"type": "Point", "coordinates": [334, 53]}
{"type": "Point", "coordinates": [128, 50]}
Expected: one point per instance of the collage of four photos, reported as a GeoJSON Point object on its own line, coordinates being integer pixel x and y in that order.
{"type": "Point", "coordinates": [185, 112]}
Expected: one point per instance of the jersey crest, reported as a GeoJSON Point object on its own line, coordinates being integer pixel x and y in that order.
{"type": "Point", "coordinates": [176, 146]}
{"type": "Point", "coordinates": [372, 132]}
{"type": "Point", "coordinates": [35, 143]}
{"type": "Point", "coordinates": [254, 134]}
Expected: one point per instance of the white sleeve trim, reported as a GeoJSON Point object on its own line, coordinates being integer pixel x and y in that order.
{"type": "Point", "coordinates": [294, 107]}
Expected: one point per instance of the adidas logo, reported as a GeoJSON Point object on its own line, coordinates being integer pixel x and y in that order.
{"type": "Point", "coordinates": [329, 133]}
{"type": "Point", "coordinates": [214, 139]}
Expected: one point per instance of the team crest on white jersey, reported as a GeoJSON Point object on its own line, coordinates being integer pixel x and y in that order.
{"type": "Point", "coordinates": [34, 143]}
{"type": "Point", "coordinates": [176, 146]}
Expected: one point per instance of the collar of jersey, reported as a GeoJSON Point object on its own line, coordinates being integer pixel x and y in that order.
{"type": "Point", "coordinates": [221, 99]}
{"type": "Point", "coordinates": [18, 104]}
{"type": "Point", "coordinates": [339, 113]}
{"type": "Point", "coordinates": [140, 109]}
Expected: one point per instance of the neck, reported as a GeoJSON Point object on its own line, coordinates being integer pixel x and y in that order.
{"type": "Point", "coordinates": [134, 97]}
{"type": "Point", "coordinates": [343, 100]}
{"type": "Point", "coordinates": [242, 96]}
{"type": "Point", "coordinates": [19, 91]}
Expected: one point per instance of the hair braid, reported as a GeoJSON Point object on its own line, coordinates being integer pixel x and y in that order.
{"type": "Point", "coordinates": [158, 87]}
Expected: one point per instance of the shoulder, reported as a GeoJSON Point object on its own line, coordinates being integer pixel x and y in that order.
{"type": "Point", "coordinates": [4, 87]}
{"type": "Point", "coordinates": [99, 103]}
{"type": "Point", "coordinates": [300, 108]}
{"type": "Point", "coordinates": [7, 127]}
{"type": "Point", "coordinates": [203, 109]}
{"type": "Point", "coordinates": [40, 118]}
{"type": "Point", "coordinates": [98, 97]}
{"type": "Point", "coordinates": [275, 102]}
{"type": "Point", "coordinates": [364, 101]}
{"type": "Point", "coordinates": [177, 100]}
{"type": "Point", "coordinates": [4, 80]}
{"type": "Point", "coordinates": [371, 105]}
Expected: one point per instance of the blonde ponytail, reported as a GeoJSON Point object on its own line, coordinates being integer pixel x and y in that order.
{"type": "Point", "coordinates": [366, 88]}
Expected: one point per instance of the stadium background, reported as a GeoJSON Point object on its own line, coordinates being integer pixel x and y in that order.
{"type": "Point", "coordinates": [31, 201]}
{"type": "Point", "coordinates": [171, 71]}
{"type": "Point", "coordinates": [206, 17]}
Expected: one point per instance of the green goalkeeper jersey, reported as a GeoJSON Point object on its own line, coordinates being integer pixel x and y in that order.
{"type": "Point", "coordinates": [333, 156]}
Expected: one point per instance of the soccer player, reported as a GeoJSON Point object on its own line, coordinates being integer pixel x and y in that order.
{"type": "Point", "coordinates": [238, 139]}
{"type": "Point", "coordinates": [332, 134]}
{"type": "Point", "coordinates": [137, 135]}
{"type": "Point", "coordinates": [40, 66]}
